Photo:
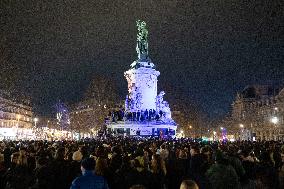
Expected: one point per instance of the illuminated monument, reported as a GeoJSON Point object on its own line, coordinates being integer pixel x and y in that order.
{"type": "Point", "coordinates": [145, 112]}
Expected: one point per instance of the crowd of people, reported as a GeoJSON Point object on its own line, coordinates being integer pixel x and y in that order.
{"type": "Point", "coordinates": [118, 163]}
{"type": "Point", "coordinates": [147, 115]}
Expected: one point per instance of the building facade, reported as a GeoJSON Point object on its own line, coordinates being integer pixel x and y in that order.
{"type": "Point", "coordinates": [257, 114]}
{"type": "Point", "coordinates": [15, 117]}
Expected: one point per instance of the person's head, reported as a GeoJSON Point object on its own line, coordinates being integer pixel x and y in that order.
{"type": "Point", "coordinates": [60, 154]}
{"type": "Point", "coordinates": [88, 164]}
{"type": "Point", "coordinates": [182, 154]}
{"type": "Point", "coordinates": [135, 164]}
{"type": "Point", "coordinates": [14, 158]}
{"type": "Point", "coordinates": [138, 186]}
{"type": "Point", "coordinates": [188, 184]}
{"type": "Point", "coordinates": [116, 149]}
{"type": "Point", "coordinates": [41, 161]}
{"type": "Point", "coordinates": [194, 150]}
{"type": "Point", "coordinates": [100, 151]}
{"type": "Point", "coordinates": [22, 151]}
{"type": "Point", "coordinates": [77, 156]}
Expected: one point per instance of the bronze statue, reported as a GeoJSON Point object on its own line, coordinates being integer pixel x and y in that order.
{"type": "Point", "coordinates": [142, 40]}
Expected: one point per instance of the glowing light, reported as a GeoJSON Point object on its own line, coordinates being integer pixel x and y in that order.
{"type": "Point", "coordinates": [35, 119]}
{"type": "Point", "coordinates": [214, 132]}
{"type": "Point", "coordinates": [181, 131]}
{"type": "Point", "coordinates": [221, 128]}
{"type": "Point", "coordinates": [190, 127]}
{"type": "Point", "coordinates": [274, 120]}
{"type": "Point", "coordinates": [241, 126]}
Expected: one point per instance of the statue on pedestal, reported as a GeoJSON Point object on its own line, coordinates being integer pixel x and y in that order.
{"type": "Point", "coordinates": [166, 109]}
{"type": "Point", "coordinates": [142, 40]}
{"type": "Point", "coordinates": [163, 107]}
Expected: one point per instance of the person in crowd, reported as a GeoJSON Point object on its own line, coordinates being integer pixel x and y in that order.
{"type": "Point", "coordinates": [74, 165]}
{"type": "Point", "coordinates": [164, 152]}
{"type": "Point", "coordinates": [267, 173]}
{"type": "Point", "coordinates": [60, 169]}
{"type": "Point", "coordinates": [7, 156]}
{"type": "Point", "coordinates": [138, 175]}
{"type": "Point", "coordinates": [222, 175]}
{"type": "Point", "coordinates": [159, 171]}
{"type": "Point", "coordinates": [277, 158]}
{"type": "Point", "coordinates": [231, 153]}
{"type": "Point", "coordinates": [18, 176]}
{"type": "Point", "coordinates": [2, 167]}
{"type": "Point", "coordinates": [122, 178]}
{"type": "Point", "coordinates": [188, 184]}
{"type": "Point", "coordinates": [101, 166]}
{"type": "Point", "coordinates": [42, 174]}
{"type": "Point", "coordinates": [198, 165]}
{"type": "Point", "coordinates": [114, 165]}
{"type": "Point", "coordinates": [249, 164]}
{"type": "Point", "coordinates": [89, 180]}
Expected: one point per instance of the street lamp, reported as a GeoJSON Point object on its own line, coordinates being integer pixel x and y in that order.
{"type": "Point", "coordinates": [274, 120]}
{"type": "Point", "coordinates": [181, 132]}
{"type": "Point", "coordinates": [241, 131]}
{"type": "Point", "coordinates": [35, 120]}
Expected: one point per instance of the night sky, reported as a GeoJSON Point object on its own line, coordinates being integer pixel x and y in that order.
{"type": "Point", "coordinates": [208, 49]}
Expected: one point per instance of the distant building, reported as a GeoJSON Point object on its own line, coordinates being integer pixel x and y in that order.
{"type": "Point", "coordinates": [89, 114]}
{"type": "Point", "coordinates": [80, 116]}
{"type": "Point", "coordinates": [257, 113]}
{"type": "Point", "coordinates": [14, 114]}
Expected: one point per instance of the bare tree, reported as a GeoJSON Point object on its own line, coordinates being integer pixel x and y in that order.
{"type": "Point", "coordinates": [187, 115]}
{"type": "Point", "coordinates": [101, 96]}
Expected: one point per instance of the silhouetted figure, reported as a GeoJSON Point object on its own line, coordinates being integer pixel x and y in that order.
{"type": "Point", "coordinates": [160, 113]}
{"type": "Point", "coordinates": [138, 132]}
{"type": "Point", "coordinates": [146, 114]}
{"type": "Point", "coordinates": [138, 116]}
{"type": "Point", "coordinates": [134, 116]}
{"type": "Point", "coordinates": [150, 114]}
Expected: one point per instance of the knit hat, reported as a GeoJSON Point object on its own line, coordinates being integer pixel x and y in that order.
{"type": "Point", "coordinates": [77, 156]}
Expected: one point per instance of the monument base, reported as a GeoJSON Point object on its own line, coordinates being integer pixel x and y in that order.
{"type": "Point", "coordinates": [147, 128]}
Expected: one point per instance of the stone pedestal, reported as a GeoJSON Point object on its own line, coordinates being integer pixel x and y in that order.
{"type": "Point", "coordinates": [142, 87]}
